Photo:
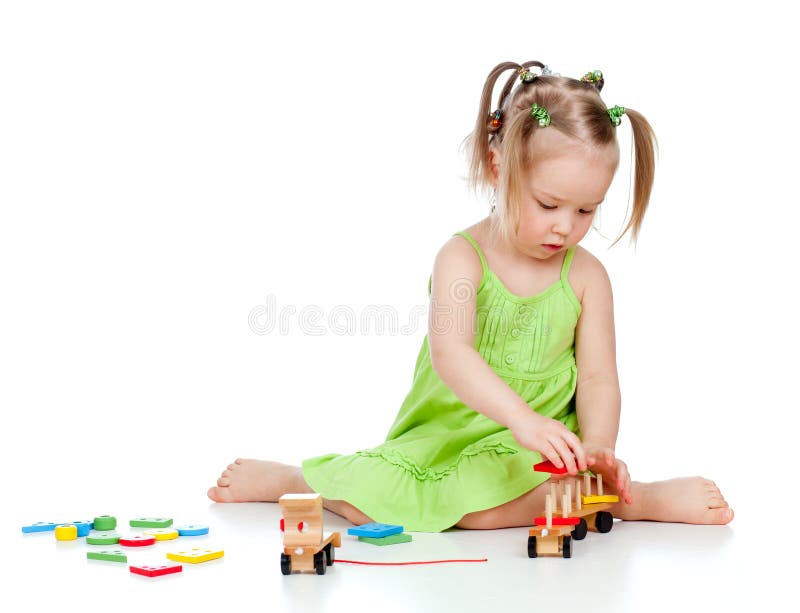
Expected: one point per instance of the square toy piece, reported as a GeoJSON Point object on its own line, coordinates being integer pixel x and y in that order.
{"type": "Point", "coordinates": [375, 530]}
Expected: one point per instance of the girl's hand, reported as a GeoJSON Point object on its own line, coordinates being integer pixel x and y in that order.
{"type": "Point", "coordinates": [602, 460]}
{"type": "Point", "coordinates": [552, 439]}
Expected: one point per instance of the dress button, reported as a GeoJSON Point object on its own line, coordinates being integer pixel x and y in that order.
{"type": "Point", "coordinates": [509, 359]}
{"type": "Point", "coordinates": [515, 332]}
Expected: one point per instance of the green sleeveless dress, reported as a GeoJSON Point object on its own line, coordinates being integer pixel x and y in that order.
{"type": "Point", "coordinates": [441, 459]}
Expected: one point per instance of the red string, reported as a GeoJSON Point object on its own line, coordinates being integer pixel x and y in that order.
{"type": "Point", "coordinates": [337, 561]}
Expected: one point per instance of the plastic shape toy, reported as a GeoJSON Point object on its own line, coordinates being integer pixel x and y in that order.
{"type": "Point", "coordinates": [107, 555]}
{"type": "Point", "coordinates": [162, 534]}
{"type": "Point", "coordinates": [196, 555]}
{"type": "Point", "coordinates": [39, 526]}
{"type": "Point", "coordinates": [105, 523]}
{"type": "Point", "coordinates": [156, 571]}
{"type": "Point", "coordinates": [392, 539]}
{"type": "Point", "coordinates": [66, 532]}
{"type": "Point", "coordinates": [192, 530]}
{"type": "Point", "coordinates": [304, 548]}
{"type": "Point", "coordinates": [375, 530]}
{"type": "Point", "coordinates": [102, 538]}
{"type": "Point", "coordinates": [150, 522]}
{"type": "Point", "coordinates": [140, 540]}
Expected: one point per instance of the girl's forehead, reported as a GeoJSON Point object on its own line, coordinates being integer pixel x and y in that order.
{"type": "Point", "coordinates": [581, 175]}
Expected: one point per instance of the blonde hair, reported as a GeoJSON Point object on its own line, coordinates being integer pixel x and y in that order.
{"type": "Point", "coordinates": [576, 110]}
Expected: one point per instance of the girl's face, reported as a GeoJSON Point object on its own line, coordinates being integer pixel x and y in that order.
{"type": "Point", "coordinates": [561, 192]}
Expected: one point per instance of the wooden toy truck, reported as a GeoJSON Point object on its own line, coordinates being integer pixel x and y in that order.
{"type": "Point", "coordinates": [553, 535]}
{"type": "Point", "coordinates": [304, 548]}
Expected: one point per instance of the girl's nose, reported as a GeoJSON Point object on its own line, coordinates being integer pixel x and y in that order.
{"type": "Point", "coordinates": [562, 226]}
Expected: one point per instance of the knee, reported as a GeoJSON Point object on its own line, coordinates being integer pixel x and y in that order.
{"type": "Point", "coordinates": [479, 520]}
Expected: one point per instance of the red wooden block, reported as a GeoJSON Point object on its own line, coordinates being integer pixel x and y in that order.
{"type": "Point", "coordinates": [549, 467]}
{"type": "Point", "coordinates": [137, 541]}
{"type": "Point", "coordinates": [557, 521]}
{"type": "Point", "coordinates": [156, 571]}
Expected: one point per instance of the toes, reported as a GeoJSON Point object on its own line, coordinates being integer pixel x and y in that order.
{"type": "Point", "coordinates": [223, 481]}
{"type": "Point", "coordinates": [219, 494]}
{"type": "Point", "coordinates": [719, 516]}
{"type": "Point", "coordinates": [239, 460]}
{"type": "Point", "coordinates": [232, 466]}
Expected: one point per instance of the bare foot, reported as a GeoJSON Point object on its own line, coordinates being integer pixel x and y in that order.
{"type": "Point", "coordinates": [258, 481]}
{"type": "Point", "coordinates": [688, 500]}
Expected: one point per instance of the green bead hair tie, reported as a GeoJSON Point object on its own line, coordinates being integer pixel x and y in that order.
{"type": "Point", "coordinates": [616, 114]}
{"type": "Point", "coordinates": [540, 113]}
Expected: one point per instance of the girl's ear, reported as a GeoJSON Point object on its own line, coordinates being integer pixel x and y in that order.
{"type": "Point", "coordinates": [495, 159]}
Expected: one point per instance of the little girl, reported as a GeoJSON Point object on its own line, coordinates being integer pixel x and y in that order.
{"type": "Point", "coordinates": [519, 363]}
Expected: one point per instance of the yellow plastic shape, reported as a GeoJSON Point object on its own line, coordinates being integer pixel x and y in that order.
{"type": "Point", "coordinates": [66, 532]}
{"type": "Point", "coordinates": [596, 499]}
{"type": "Point", "coordinates": [162, 534]}
{"type": "Point", "coordinates": [195, 555]}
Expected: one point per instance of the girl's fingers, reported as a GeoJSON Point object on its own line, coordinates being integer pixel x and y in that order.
{"type": "Point", "coordinates": [551, 454]}
{"type": "Point", "coordinates": [577, 448]}
{"type": "Point", "coordinates": [565, 453]}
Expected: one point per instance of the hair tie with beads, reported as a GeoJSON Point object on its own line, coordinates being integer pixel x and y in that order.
{"type": "Point", "coordinates": [616, 114]}
{"type": "Point", "coordinates": [495, 121]}
{"type": "Point", "coordinates": [526, 76]}
{"type": "Point", "coordinates": [594, 77]}
{"type": "Point", "coordinates": [540, 113]}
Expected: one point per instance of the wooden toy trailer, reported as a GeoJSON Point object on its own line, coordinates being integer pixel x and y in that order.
{"type": "Point", "coordinates": [304, 548]}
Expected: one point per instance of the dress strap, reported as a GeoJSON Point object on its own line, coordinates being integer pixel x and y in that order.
{"type": "Point", "coordinates": [567, 261]}
{"type": "Point", "coordinates": [472, 241]}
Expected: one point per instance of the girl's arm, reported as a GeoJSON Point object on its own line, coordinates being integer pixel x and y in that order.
{"type": "Point", "coordinates": [597, 398]}
{"type": "Point", "coordinates": [451, 337]}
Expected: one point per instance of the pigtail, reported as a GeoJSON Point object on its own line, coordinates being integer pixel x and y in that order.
{"type": "Point", "coordinates": [477, 143]}
{"type": "Point", "coordinates": [518, 131]}
{"type": "Point", "coordinates": [489, 126]}
{"type": "Point", "coordinates": [645, 147]}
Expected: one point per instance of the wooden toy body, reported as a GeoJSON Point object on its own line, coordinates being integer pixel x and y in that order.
{"type": "Point", "coordinates": [304, 547]}
{"type": "Point", "coordinates": [302, 558]}
{"type": "Point", "coordinates": [550, 541]}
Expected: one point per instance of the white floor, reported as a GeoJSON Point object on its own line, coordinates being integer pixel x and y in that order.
{"type": "Point", "coordinates": [637, 566]}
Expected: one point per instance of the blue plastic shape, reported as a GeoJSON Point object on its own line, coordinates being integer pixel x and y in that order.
{"type": "Point", "coordinates": [375, 530]}
{"type": "Point", "coordinates": [40, 526]}
{"type": "Point", "coordinates": [84, 526]}
{"type": "Point", "coordinates": [192, 530]}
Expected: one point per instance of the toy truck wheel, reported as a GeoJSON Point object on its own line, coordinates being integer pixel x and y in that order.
{"type": "Point", "coordinates": [566, 547]}
{"type": "Point", "coordinates": [319, 562]}
{"type": "Point", "coordinates": [531, 546]}
{"type": "Point", "coordinates": [604, 522]}
{"type": "Point", "coordinates": [579, 533]}
{"type": "Point", "coordinates": [286, 564]}
{"type": "Point", "coordinates": [329, 554]}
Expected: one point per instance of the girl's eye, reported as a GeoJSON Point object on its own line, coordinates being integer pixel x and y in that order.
{"type": "Point", "coordinates": [550, 208]}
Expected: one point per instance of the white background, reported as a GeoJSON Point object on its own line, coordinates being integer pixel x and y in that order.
{"type": "Point", "coordinates": [169, 168]}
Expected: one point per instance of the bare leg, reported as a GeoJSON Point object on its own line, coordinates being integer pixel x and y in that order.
{"type": "Point", "coordinates": [261, 481]}
{"type": "Point", "coordinates": [690, 500]}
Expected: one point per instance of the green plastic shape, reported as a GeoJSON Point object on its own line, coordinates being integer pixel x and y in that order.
{"type": "Point", "coordinates": [151, 522]}
{"type": "Point", "coordinates": [102, 538]}
{"type": "Point", "coordinates": [109, 555]}
{"type": "Point", "coordinates": [392, 539]}
{"type": "Point", "coordinates": [104, 523]}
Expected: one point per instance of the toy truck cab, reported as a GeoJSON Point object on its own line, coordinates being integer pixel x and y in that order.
{"type": "Point", "coordinates": [304, 548]}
